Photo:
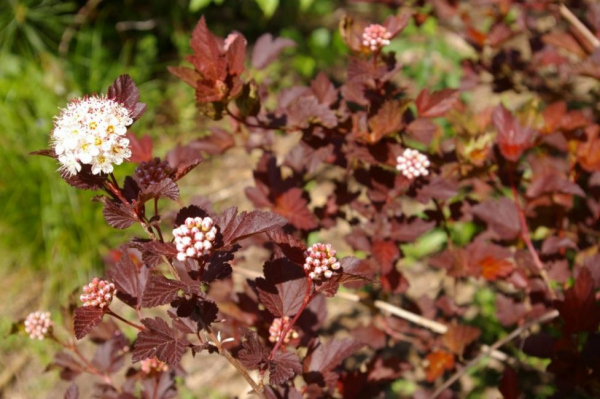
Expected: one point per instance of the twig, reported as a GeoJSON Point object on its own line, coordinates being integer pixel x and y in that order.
{"type": "Point", "coordinates": [526, 235]}
{"type": "Point", "coordinates": [432, 325]}
{"type": "Point", "coordinates": [542, 319]}
{"type": "Point", "coordinates": [116, 316]}
{"type": "Point", "coordinates": [235, 363]}
{"type": "Point", "coordinates": [578, 25]}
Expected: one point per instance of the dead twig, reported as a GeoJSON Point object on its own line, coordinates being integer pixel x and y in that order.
{"type": "Point", "coordinates": [542, 319]}
{"type": "Point", "coordinates": [578, 26]}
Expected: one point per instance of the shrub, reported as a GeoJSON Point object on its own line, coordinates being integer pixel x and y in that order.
{"type": "Point", "coordinates": [522, 177]}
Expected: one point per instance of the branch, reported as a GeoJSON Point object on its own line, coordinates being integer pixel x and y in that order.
{"type": "Point", "coordinates": [542, 319]}
{"type": "Point", "coordinates": [526, 236]}
{"type": "Point", "coordinates": [432, 325]}
{"type": "Point", "coordinates": [578, 26]}
{"type": "Point", "coordinates": [235, 363]}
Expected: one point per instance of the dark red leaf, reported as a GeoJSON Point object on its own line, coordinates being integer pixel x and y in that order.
{"type": "Point", "coordinates": [85, 179]}
{"type": "Point", "coordinates": [352, 270]}
{"type": "Point", "coordinates": [218, 265]}
{"type": "Point", "coordinates": [387, 120]}
{"type": "Point", "coordinates": [324, 90]}
{"type": "Point", "coordinates": [109, 356]}
{"type": "Point", "coordinates": [188, 75]}
{"type": "Point", "coordinates": [124, 91]}
{"type": "Point", "coordinates": [579, 309]}
{"type": "Point", "coordinates": [422, 130]}
{"type": "Point", "coordinates": [215, 143]}
{"type": "Point", "coordinates": [72, 392]}
{"type": "Point", "coordinates": [85, 318]}
{"type": "Point", "coordinates": [283, 366]}
{"type": "Point", "coordinates": [396, 23]}
{"type": "Point", "coordinates": [141, 149]}
{"type": "Point", "coordinates": [291, 247]}
{"type": "Point", "coordinates": [200, 311]}
{"type": "Point", "coordinates": [254, 353]}
{"type": "Point", "coordinates": [386, 253]}
{"type": "Point", "coordinates": [69, 367]}
{"type": "Point", "coordinates": [512, 138]}
{"type": "Point", "coordinates": [234, 226]}
{"type": "Point", "coordinates": [183, 160]}
{"type": "Point", "coordinates": [432, 105]}
{"type": "Point", "coordinates": [117, 214]}
{"type": "Point", "coordinates": [46, 152]}
{"type": "Point", "coordinates": [129, 279]}
{"type": "Point", "coordinates": [283, 289]}
{"type": "Point", "coordinates": [307, 110]}
{"type": "Point", "coordinates": [501, 217]}
{"type": "Point", "coordinates": [293, 207]}
{"type": "Point", "coordinates": [323, 358]}
{"type": "Point", "coordinates": [165, 188]}
{"type": "Point", "coordinates": [161, 291]}
{"type": "Point", "coordinates": [191, 211]}
{"type": "Point", "coordinates": [508, 311]}
{"type": "Point", "coordinates": [509, 384]}
{"type": "Point", "coordinates": [207, 58]}
{"type": "Point", "coordinates": [159, 340]}
{"type": "Point", "coordinates": [267, 49]}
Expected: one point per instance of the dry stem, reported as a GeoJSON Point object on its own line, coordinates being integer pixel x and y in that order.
{"type": "Point", "coordinates": [579, 26]}
{"type": "Point", "coordinates": [542, 319]}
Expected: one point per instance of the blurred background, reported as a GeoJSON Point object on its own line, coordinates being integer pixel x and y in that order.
{"type": "Point", "coordinates": [52, 238]}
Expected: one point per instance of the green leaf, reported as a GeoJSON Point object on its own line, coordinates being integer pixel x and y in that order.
{"type": "Point", "coordinates": [305, 4]}
{"type": "Point", "coordinates": [197, 5]}
{"type": "Point", "coordinates": [268, 7]}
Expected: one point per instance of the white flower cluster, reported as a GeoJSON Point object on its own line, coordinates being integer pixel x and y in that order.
{"type": "Point", "coordinates": [278, 326]}
{"type": "Point", "coordinates": [98, 293]}
{"type": "Point", "coordinates": [321, 261]}
{"type": "Point", "coordinates": [194, 237]}
{"type": "Point", "coordinates": [151, 365]}
{"type": "Point", "coordinates": [413, 164]}
{"type": "Point", "coordinates": [91, 131]}
{"type": "Point", "coordinates": [375, 37]}
{"type": "Point", "coordinates": [37, 325]}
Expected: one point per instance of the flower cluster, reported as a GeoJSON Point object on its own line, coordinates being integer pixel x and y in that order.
{"type": "Point", "coordinates": [153, 365]}
{"type": "Point", "coordinates": [195, 237]}
{"type": "Point", "coordinates": [91, 131]}
{"type": "Point", "coordinates": [98, 293]}
{"type": "Point", "coordinates": [321, 261]}
{"type": "Point", "coordinates": [152, 172]}
{"type": "Point", "coordinates": [375, 37]}
{"type": "Point", "coordinates": [37, 324]}
{"type": "Point", "coordinates": [413, 164]}
{"type": "Point", "coordinates": [278, 326]}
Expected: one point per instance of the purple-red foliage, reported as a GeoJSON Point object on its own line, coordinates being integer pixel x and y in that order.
{"type": "Point", "coordinates": [524, 177]}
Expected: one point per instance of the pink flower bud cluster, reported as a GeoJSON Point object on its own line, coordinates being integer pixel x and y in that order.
{"type": "Point", "coordinates": [195, 237]}
{"type": "Point", "coordinates": [321, 261]}
{"type": "Point", "coordinates": [37, 325]}
{"type": "Point", "coordinates": [98, 293]}
{"type": "Point", "coordinates": [151, 365]}
{"type": "Point", "coordinates": [413, 164]}
{"type": "Point", "coordinates": [278, 326]}
{"type": "Point", "coordinates": [375, 37]}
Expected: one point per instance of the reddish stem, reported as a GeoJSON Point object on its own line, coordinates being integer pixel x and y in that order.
{"type": "Point", "coordinates": [113, 314]}
{"type": "Point", "coordinates": [526, 236]}
{"type": "Point", "coordinates": [307, 298]}
{"type": "Point", "coordinates": [89, 367]}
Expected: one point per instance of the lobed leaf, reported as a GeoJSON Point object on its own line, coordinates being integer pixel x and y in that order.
{"type": "Point", "coordinates": [85, 318]}
{"type": "Point", "coordinates": [159, 340]}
